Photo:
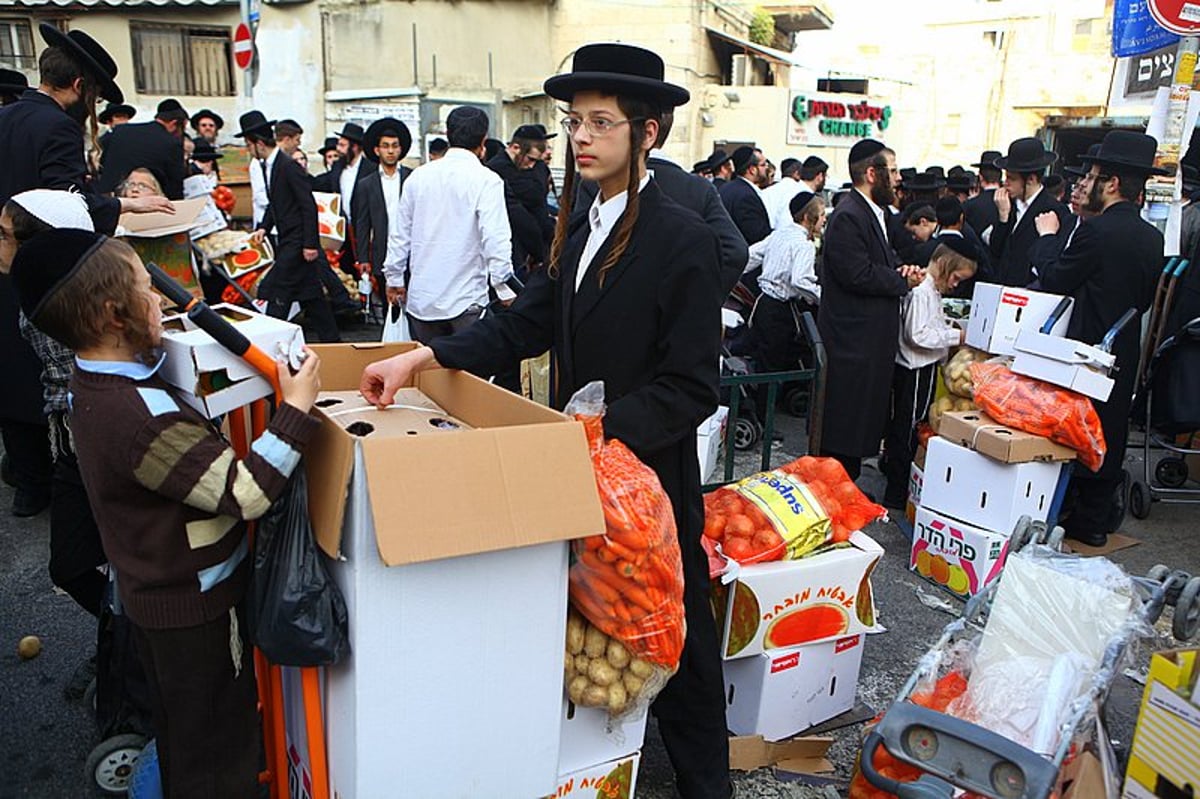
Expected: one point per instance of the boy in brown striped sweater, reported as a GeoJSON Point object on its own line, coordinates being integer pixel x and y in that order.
{"type": "Point", "coordinates": [170, 498]}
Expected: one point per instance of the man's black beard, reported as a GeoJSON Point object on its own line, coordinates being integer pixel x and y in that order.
{"type": "Point", "coordinates": [78, 111]}
{"type": "Point", "coordinates": [882, 194]}
{"type": "Point", "coordinates": [1095, 202]}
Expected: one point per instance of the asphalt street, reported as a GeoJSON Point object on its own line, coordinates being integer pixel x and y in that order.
{"type": "Point", "coordinates": [45, 738]}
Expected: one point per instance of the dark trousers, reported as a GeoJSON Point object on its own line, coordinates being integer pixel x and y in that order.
{"type": "Point", "coordinates": [691, 709]}
{"type": "Point", "coordinates": [205, 716]}
{"type": "Point", "coordinates": [316, 311]}
{"type": "Point", "coordinates": [75, 549]}
{"type": "Point", "coordinates": [336, 291]}
{"type": "Point", "coordinates": [912, 394]}
{"type": "Point", "coordinates": [1094, 504]}
{"type": "Point", "coordinates": [28, 448]}
{"type": "Point", "coordinates": [777, 343]}
{"type": "Point", "coordinates": [425, 332]}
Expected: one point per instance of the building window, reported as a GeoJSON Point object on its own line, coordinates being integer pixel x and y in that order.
{"type": "Point", "coordinates": [182, 60]}
{"type": "Point", "coordinates": [842, 85]}
{"type": "Point", "coordinates": [16, 44]}
{"type": "Point", "coordinates": [994, 38]}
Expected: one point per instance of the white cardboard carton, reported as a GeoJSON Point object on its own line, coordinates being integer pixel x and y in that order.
{"type": "Point", "coordinates": [983, 492]}
{"type": "Point", "coordinates": [1064, 362]}
{"type": "Point", "coordinates": [710, 440]}
{"type": "Point", "coordinates": [616, 779]}
{"type": "Point", "coordinates": [589, 737]}
{"type": "Point", "coordinates": [953, 555]}
{"type": "Point", "coordinates": [999, 312]}
{"type": "Point", "coordinates": [777, 694]}
{"type": "Point", "coordinates": [214, 380]}
{"type": "Point", "coordinates": [916, 479]}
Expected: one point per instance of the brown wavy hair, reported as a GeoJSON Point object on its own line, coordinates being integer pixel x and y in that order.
{"type": "Point", "coordinates": [633, 109]}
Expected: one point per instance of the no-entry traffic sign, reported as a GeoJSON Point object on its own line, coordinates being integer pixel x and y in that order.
{"type": "Point", "coordinates": [1177, 16]}
{"type": "Point", "coordinates": [243, 46]}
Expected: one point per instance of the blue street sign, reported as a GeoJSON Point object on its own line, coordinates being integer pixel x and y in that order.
{"type": "Point", "coordinates": [1134, 31]}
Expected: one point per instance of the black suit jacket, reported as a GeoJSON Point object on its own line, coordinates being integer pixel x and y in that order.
{"type": "Point", "coordinates": [292, 210]}
{"type": "Point", "coordinates": [746, 208]}
{"type": "Point", "coordinates": [699, 196]}
{"type": "Point", "coordinates": [980, 211]}
{"type": "Point", "coordinates": [528, 213]}
{"type": "Point", "coordinates": [370, 217]}
{"type": "Point", "coordinates": [1010, 243]}
{"type": "Point", "coordinates": [1112, 265]}
{"type": "Point", "coordinates": [145, 145]}
{"type": "Point", "coordinates": [859, 320]}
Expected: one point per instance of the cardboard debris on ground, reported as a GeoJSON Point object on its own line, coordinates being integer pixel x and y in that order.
{"type": "Point", "coordinates": [1116, 541]}
{"type": "Point", "coordinates": [804, 755]}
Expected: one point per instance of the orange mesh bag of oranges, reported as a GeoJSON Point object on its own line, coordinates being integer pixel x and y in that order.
{"type": "Point", "coordinates": [788, 512]}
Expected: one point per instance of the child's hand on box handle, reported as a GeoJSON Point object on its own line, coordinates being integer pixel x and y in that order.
{"type": "Point", "coordinates": [300, 389]}
{"type": "Point", "coordinates": [381, 380]}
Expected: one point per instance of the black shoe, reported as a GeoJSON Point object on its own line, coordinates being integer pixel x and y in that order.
{"type": "Point", "coordinates": [894, 503]}
{"type": "Point", "coordinates": [77, 686]}
{"type": "Point", "coordinates": [1090, 539]}
{"type": "Point", "coordinates": [6, 474]}
{"type": "Point", "coordinates": [28, 503]}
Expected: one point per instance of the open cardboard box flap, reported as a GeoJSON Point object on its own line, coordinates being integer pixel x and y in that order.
{"type": "Point", "coordinates": [157, 223]}
{"type": "Point", "coordinates": [805, 755]}
{"type": "Point", "coordinates": [521, 477]}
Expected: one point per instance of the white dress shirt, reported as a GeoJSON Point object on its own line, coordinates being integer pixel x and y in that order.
{"type": "Point", "coordinates": [788, 261]}
{"type": "Point", "coordinates": [346, 182]}
{"type": "Point", "coordinates": [391, 195]}
{"type": "Point", "coordinates": [1021, 206]}
{"type": "Point", "coordinates": [926, 336]}
{"type": "Point", "coordinates": [778, 197]}
{"type": "Point", "coordinates": [602, 218]}
{"type": "Point", "coordinates": [260, 198]}
{"type": "Point", "coordinates": [879, 213]}
{"type": "Point", "coordinates": [452, 232]}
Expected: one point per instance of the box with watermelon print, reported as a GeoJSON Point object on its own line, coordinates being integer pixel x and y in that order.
{"type": "Point", "coordinates": [954, 555]}
{"type": "Point", "coordinates": [820, 597]}
{"type": "Point", "coordinates": [615, 779]}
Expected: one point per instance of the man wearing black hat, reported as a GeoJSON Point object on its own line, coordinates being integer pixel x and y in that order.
{"type": "Point", "coordinates": [204, 161]}
{"type": "Point", "coordinates": [1111, 266]}
{"type": "Point", "coordinates": [12, 85]}
{"type": "Point", "coordinates": [377, 198]}
{"type": "Point", "coordinates": [525, 195]}
{"type": "Point", "coordinates": [292, 211]}
{"type": "Point", "coordinates": [742, 196]}
{"type": "Point", "coordinates": [343, 175]}
{"type": "Point", "coordinates": [948, 213]}
{"type": "Point", "coordinates": [114, 115]}
{"type": "Point", "coordinates": [720, 163]}
{"type": "Point", "coordinates": [329, 152]}
{"type": "Point", "coordinates": [980, 210]}
{"type": "Point", "coordinates": [156, 145]}
{"type": "Point", "coordinates": [862, 282]}
{"type": "Point", "coordinates": [1018, 203]}
{"type": "Point", "coordinates": [207, 125]}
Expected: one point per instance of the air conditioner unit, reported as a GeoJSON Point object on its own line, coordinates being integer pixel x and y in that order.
{"type": "Point", "coordinates": [740, 71]}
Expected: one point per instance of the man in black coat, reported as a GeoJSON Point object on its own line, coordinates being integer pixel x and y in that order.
{"type": "Point", "coordinates": [1111, 265]}
{"type": "Point", "coordinates": [156, 145]}
{"type": "Point", "coordinates": [291, 210]}
{"type": "Point", "coordinates": [1018, 202]}
{"type": "Point", "coordinates": [720, 164]}
{"type": "Point", "coordinates": [386, 142]}
{"type": "Point", "coordinates": [518, 164]}
{"type": "Point", "coordinates": [742, 198]}
{"type": "Point", "coordinates": [12, 85]}
{"type": "Point", "coordinates": [862, 282]}
{"type": "Point", "coordinates": [980, 211]}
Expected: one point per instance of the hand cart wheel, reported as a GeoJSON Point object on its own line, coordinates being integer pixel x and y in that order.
{"type": "Point", "coordinates": [1055, 539]}
{"type": "Point", "coordinates": [745, 434]}
{"type": "Point", "coordinates": [796, 402]}
{"type": "Point", "coordinates": [1171, 472]}
{"type": "Point", "coordinates": [1139, 500]}
{"type": "Point", "coordinates": [1187, 611]}
{"type": "Point", "coordinates": [109, 766]}
{"type": "Point", "coordinates": [1158, 573]}
{"type": "Point", "coordinates": [1022, 534]}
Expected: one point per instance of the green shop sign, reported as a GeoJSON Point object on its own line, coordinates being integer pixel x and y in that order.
{"type": "Point", "coordinates": [855, 121]}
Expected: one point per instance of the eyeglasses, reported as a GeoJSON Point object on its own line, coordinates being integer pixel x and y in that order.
{"type": "Point", "coordinates": [596, 127]}
{"type": "Point", "coordinates": [140, 186]}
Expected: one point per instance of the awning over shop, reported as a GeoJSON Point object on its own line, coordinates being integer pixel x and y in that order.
{"type": "Point", "coordinates": [769, 54]}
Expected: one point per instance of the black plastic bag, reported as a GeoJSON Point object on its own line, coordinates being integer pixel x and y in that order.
{"type": "Point", "coordinates": [298, 615]}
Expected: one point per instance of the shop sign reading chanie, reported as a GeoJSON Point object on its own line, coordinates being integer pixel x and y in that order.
{"type": "Point", "coordinates": [834, 120]}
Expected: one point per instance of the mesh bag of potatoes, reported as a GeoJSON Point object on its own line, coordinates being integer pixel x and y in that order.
{"type": "Point", "coordinates": [957, 371]}
{"type": "Point", "coordinates": [600, 671]}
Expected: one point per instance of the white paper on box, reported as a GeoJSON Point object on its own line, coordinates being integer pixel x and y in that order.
{"type": "Point", "coordinates": [455, 675]}
{"type": "Point", "coordinates": [588, 736]}
{"type": "Point", "coordinates": [959, 557]}
{"type": "Point", "coordinates": [710, 439]}
{"type": "Point", "coordinates": [983, 492]}
{"type": "Point", "coordinates": [999, 312]}
{"type": "Point", "coordinates": [1064, 362]}
{"type": "Point", "coordinates": [779, 693]}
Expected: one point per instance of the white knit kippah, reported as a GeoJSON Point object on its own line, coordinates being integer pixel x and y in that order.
{"type": "Point", "coordinates": [58, 209]}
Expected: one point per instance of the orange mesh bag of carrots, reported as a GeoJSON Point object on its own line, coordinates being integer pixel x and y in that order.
{"type": "Point", "coordinates": [788, 512]}
{"type": "Point", "coordinates": [1042, 409]}
{"type": "Point", "coordinates": [628, 582]}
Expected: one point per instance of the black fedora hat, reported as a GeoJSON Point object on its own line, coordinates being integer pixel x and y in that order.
{"type": "Point", "coordinates": [388, 126]}
{"type": "Point", "coordinates": [701, 166]}
{"type": "Point", "coordinates": [1082, 169]}
{"type": "Point", "coordinates": [12, 81]}
{"type": "Point", "coordinates": [352, 131]}
{"type": "Point", "coordinates": [907, 174]}
{"type": "Point", "coordinates": [1026, 155]}
{"type": "Point", "coordinates": [170, 109]}
{"type": "Point", "coordinates": [116, 110]}
{"type": "Point", "coordinates": [205, 113]}
{"type": "Point", "coordinates": [254, 122]}
{"type": "Point", "coordinates": [619, 68]}
{"type": "Point", "coordinates": [204, 151]}
{"type": "Point", "coordinates": [963, 181]}
{"type": "Point", "coordinates": [936, 170]}
{"type": "Point", "coordinates": [329, 146]}
{"type": "Point", "coordinates": [535, 132]}
{"type": "Point", "coordinates": [718, 158]}
{"type": "Point", "coordinates": [89, 55]}
{"type": "Point", "coordinates": [988, 159]}
{"type": "Point", "coordinates": [1191, 179]}
{"type": "Point", "coordinates": [1127, 151]}
{"type": "Point", "coordinates": [924, 181]}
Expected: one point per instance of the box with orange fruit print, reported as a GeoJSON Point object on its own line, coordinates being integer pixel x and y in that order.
{"type": "Point", "coordinates": [956, 556]}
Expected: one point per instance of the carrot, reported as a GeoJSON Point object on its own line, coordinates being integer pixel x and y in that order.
{"type": "Point", "coordinates": [594, 541]}
{"type": "Point", "coordinates": [639, 597]}
{"type": "Point", "coordinates": [606, 555]}
{"type": "Point", "coordinates": [636, 540]}
{"type": "Point", "coordinates": [622, 610]}
{"type": "Point", "coordinates": [625, 553]}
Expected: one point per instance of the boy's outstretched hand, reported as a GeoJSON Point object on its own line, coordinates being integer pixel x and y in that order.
{"type": "Point", "coordinates": [300, 390]}
{"type": "Point", "coordinates": [381, 380]}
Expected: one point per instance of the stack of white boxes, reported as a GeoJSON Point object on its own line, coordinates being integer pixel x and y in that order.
{"type": "Point", "coordinates": [979, 478]}
{"type": "Point", "coordinates": [597, 756]}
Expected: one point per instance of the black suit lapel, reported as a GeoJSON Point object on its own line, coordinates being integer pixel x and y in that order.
{"type": "Point", "coordinates": [873, 220]}
{"type": "Point", "coordinates": [1036, 207]}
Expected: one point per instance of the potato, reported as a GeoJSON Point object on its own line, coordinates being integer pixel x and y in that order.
{"type": "Point", "coordinates": [617, 699]}
{"type": "Point", "coordinates": [594, 642]}
{"type": "Point", "coordinates": [594, 696]}
{"type": "Point", "coordinates": [576, 687]}
{"type": "Point", "coordinates": [582, 662]}
{"type": "Point", "coordinates": [618, 655]}
{"type": "Point", "coordinates": [633, 684]}
{"type": "Point", "coordinates": [641, 668]}
{"type": "Point", "coordinates": [29, 647]}
{"type": "Point", "coordinates": [568, 666]}
{"type": "Point", "coordinates": [601, 673]}
{"type": "Point", "coordinates": [575, 628]}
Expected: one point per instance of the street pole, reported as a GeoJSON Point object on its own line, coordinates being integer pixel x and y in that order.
{"type": "Point", "coordinates": [1177, 137]}
{"type": "Point", "coordinates": [250, 15]}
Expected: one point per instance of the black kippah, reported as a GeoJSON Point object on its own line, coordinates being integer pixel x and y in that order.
{"type": "Point", "coordinates": [961, 246]}
{"type": "Point", "coordinates": [864, 149]}
{"type": "Point", "coordinates": [45, 263]}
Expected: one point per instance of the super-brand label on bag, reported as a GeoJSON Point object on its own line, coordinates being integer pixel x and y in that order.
{"type": "Point", "coordinates": [791, 508]}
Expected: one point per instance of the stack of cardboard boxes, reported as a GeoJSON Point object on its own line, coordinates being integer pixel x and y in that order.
{"type": "Point", "coordinates": [973, 481]}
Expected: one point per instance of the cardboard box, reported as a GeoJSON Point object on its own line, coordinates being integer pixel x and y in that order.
{"type": "Point", "coordinates": [916, 479]}
{"type": "Point", "coordinates": [824, 596]}
{"type": "Point", "coordinates": [779, 693]}
{"type": "Point", "coordinates": [481, 490]}
{"type": "Point", "coordinates": [156, 224]}
{"type": "Point", "coordinates": [1165, 757]}
{"type": "Point", "coordinates": [961, 558]}
{"type": "Point", "coordinates": [214, 381]}
{"type": "Point", "coordinates": [616, 779]}
{"type": "Point", "coordinates": [710, 442]}
{"type": "Point", "coordinates": [331, 225]}
{"type": "Point", "coordinates": [978, 431]}
{"type": "Point", "coordinates": [999, 312]}
{"type": "Point", "coordinates": [806, 755]}
{"type": "Point", "coordinates": [1064, 362]}
{"type": "Point", "coordinates": [588, 736]}
{"type": "Point", "coordinates": [173, 254]}
{"type": "Point", "coordinates": [975, 489]}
